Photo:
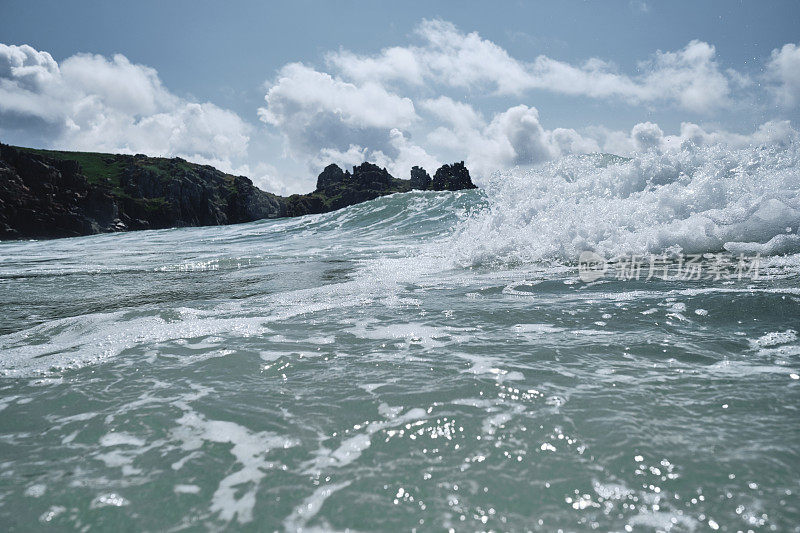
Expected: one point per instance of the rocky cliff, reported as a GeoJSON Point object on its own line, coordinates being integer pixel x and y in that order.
{"type": "Point", "coordinates": [45, 194]}
{"type": "Point", "coordinates": [62, 194]}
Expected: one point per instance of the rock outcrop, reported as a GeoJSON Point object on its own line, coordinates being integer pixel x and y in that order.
{"type": "Point", "coordinates": [420, 179]}
{"type": "Point", "coordinates": [42, 198]}
{"type": "Point", "coordinates": [337, 188]}
{"type": "Point", "coordinates": [45, 194]}
{"type": "Point", "coordinates": [453, 177]}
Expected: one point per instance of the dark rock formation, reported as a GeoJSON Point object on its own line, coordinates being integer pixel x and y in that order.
{"type": "Point", "coordinates": [453, 177]}
{"type": "Point", "coordinates": [331, 177]}
{"type": "Point", "coordinates": [420, 179]}
{"type": "Point", "coordinates": [337, 189]}
{"type": "Point", "coordinates": [49, 198]}
{"type": "Point", "coordinates": [46, 194]}
{"type": "Point", "coordinates": [195, 195]}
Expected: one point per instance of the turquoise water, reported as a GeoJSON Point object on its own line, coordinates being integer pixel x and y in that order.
{"type": "Point", "coordinates": [426, 360]}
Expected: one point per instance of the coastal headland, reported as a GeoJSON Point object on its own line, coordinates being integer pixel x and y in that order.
{"type": "Point", "coordinates": [51, 194]}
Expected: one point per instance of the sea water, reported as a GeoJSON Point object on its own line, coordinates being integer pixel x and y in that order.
{"type": "Point", "coordinates": [425, 361]}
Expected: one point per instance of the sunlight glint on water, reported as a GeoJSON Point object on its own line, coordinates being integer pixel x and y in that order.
{"type": "Point", "coordinates": [426, 360]}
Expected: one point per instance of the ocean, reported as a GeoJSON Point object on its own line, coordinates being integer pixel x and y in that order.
{"type": "Point", "coordinates": [596, 343]}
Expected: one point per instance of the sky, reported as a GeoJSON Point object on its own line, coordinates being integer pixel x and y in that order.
{"type": "Point", "coordinates": [276, 91]}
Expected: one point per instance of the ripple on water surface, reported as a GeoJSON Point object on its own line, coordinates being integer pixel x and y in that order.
{"type": "Point", "coordinates": [370, 369]}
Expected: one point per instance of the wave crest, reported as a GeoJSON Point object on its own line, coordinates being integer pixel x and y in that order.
{"type": "Point", "coordinates": [692, 200]}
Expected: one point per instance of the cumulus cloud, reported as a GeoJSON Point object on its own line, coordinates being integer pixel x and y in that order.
{"type": "Point", "coordinates": [514, 137]}
{"type": "Point", "coordinates": [395, 63]}
{"type": "Point", "coordinates": [316, 111]}
{"type": "Point", "coordinates": [457, 114]}
{"type": "Point", "coordinates": [391, 107]}
{"type": "Point", "coordinates": [784, 69]}
{"type": "Point", "coordinates": [394, 107]}
{"type": "Point", "coordinates": [90, 102]}
{"type": "Point", "coordinates": [646, 135]}
{"type": "Point", "coordinates": [689, 77]}
{"type": "Point", "coordinates": [406, 155]}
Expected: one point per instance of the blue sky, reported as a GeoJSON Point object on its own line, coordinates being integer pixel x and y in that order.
{"type": "Point", "coordinates": [511, 83]}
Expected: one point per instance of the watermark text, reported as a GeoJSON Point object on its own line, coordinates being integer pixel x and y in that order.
{"type": "Point", "coordinates": [673, 267]}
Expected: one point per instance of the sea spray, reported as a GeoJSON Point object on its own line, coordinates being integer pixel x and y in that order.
{"type": "Point", "coordinates": [423, 357]}
{"type": "Point", "coordinates": [690, 200]}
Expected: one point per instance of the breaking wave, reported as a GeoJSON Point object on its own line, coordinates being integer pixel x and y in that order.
{"type": "Point", "coordinates": [692, 200]}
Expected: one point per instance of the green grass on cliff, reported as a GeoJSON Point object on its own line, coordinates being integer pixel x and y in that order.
{"type": "Point", "coordinates": [106, 169]}
{"type": "Point", "coordinates": [98, 168]}
{"type": "Point", "coordinates": [102, 168]}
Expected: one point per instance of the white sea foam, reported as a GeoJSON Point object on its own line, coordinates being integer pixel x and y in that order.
{"type": "Point", "coordinates": [117, 438]}
{"type": "Point", "coordinates": [111, 499]}
{"type": "Point", "coordinates": [692, 200]}
{"type": "Point", "coordinates": [775, 338]}
{"type": "Point", "coordinates": [304, 512]}
{"type": "Point", "coordinates": [36, 491]}
{"type": "Point", "coordinates": [235, 497]}
{"type": "Point", "coordinates": [490, 366]}
{"type": "Point", "coordinates": [186, 489]}
{"type": "Point", "coordinates": [539, 329]}
{"type": "Point", "coordinates": [351, 448]}
{"type": "Point", "coordinates": [79, 341]}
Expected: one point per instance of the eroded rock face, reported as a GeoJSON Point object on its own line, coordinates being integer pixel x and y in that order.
{"type": "Point", "coordinates": [453, 177]}
{"type": "Point", "coordinates": [45, 197]}
{"type": "Point", "coordinates": [370, 176]}
{"type": "Point", "coordinates": [337, 189]}
{"type": "Point", "coordinates": [46, 194]}
{"type": "Point", "coordinates": [420, 179]}
{"type": "Point", "coordinates": [332, 176]}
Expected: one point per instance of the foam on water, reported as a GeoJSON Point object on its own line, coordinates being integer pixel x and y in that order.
{"type": "Point", "coordinates": [693, 200]}
{"type": "Point", "coordinates": [235, 496]}
{"type": "Point", "coordinates": [75, 342]}
{"type": "Point", "coordinates": [351, 448]}
{"type": "Point", "coordinates": [346, 371]}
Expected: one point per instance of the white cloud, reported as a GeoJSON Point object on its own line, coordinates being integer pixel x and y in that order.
{"type": "Point", "coordinates": [467, 60]}
{"type": "Point", "coordinates": [769, 133]}
{"type": "Point", "coordinates": [514, 137]}
{"type": "Point", "coordinates": [90, 102]}
{"type": "Point", "coordinates": [396, 63]}
{"type": "Point", "coordinates": [117, 84]}
{"type": "Point", "coordinates": [29, 68]}
{"type": "Point", "coordinates": [689, 77]}
{"type": "Point", "coordinates": [406, 155]}
{"type": "Point", "coordinates": [457, 114]}
{"type": "Point", "coordinates": [518, 130]}
{"type": "Point", "coordinates": [315, 111]}
{"type": "Point", "coordinates": [325, 119]}
{"type": "Point", "coordinates": [363, 108]}
{"type": "Point", "coordinates": [784, 68]}
{"type": "Point", "coordinates": [393, 108]}
{"type": "Point", "coordinates": [568, 141]}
